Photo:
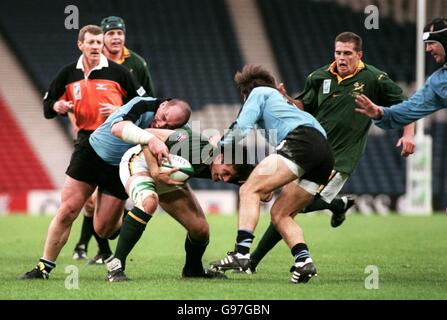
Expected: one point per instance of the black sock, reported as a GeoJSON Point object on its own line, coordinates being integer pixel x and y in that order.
{"type": "Point", "coordinates": [115, 234]}
{"type": "Point", "coordinates": [337, 206]}
{"type": "Point", "coordinates": [269, 239]}
{"type": "Point", "coordinates": [47, 264]}
{"type": "Point", "coordinates": [300, 252]}
{"type": "Point", "coordinates": [317, 205]}
{"type": "Point", "coordinates": [86, 232]}
{"type": "Point", "coordinates": [194, 252]}
{"type": "Point", "coordinates": [133, 227]}
{"type": "Point", "coordinates": [103, 244]}
{"type": "Point", "coordinates": [243, 241]}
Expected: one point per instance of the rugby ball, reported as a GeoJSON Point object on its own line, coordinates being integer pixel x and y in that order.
{"type": "Point", "coordinates": [185, 171]}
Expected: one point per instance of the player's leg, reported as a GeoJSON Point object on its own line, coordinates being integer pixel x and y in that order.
{"type": "Point", "coordinates": [282, 218]}
{"type": "Point", "coordinates": [141, 189]}
{"type": "Point", "coordinates": [327, 199]}
{"type": "Point", "coordinates": [271, 173]}
{"type": "Point", "coordinates": [184, 207]}
{"type": "Point", "coordinates": [271, 236]}
{"type": "Point", "coordinates": [74, 194]}
{"type": "Point", "coordinates": [87, 230]}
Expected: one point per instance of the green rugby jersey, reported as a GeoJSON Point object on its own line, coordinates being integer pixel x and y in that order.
{"type": "Point", "coordinates": [138, 67]}
{"type": "Point", "coordinates": [333, 103]}
{"type": "Point", "coordinates": [194, 147]}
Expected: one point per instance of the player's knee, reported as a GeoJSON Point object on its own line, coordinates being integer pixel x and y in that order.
{"type": "Point", "coordinates": [104, 230]}
{"type": "Point", "coordinates": [89, 208]}
{"type": "Point", "coordinates": [150, 203]}
{"type": "Point", "coordinates": [276, 215]}
{"type": "Point", "coordinates": [251, 188]}
{"type": "Point", "coordinates": [200, 231]}
{"type": "Point", "coordinates": [67, 213]}
{"type": "Point", "coordinates": [142, 191]}
{"type": "Point", "coordinates": [274, 219]}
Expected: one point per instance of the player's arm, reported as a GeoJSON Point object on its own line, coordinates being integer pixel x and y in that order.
{"type": "Point", "coordinates": [156, 174]}
{"type": "Point", "coordinates": [131, 133]}
{"type": "Point", "coordinates": [54, 102]}
{"type": "Point", "coordinates": [246, 120]}
{"type": "Point", "coordinates": [407, 140]}
{"type": "Point", "coordinates": [390, 93]}
{"type": "Point", "coordinates": [281, 88]}
{"type": "Point", "coordinates": [144, 77]}
{"type": "Point", "coordinates": [131, 85]}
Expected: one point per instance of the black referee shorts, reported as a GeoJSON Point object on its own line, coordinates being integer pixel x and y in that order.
{"type": "Point", "coordinates": [309, 149]}
{"type": "Point", "coordinates": [85, 165]}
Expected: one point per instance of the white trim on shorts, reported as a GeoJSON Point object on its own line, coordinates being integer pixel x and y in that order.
{"type": "Point", "coordinates": [309, 186]}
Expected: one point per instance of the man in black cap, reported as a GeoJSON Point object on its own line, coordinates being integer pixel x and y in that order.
{"type": "Point", "coordinates": [114, 49]}
{"type": "Point", "coordinates": [427, 100]}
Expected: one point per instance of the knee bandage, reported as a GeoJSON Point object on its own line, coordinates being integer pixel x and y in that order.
{"type": "Point", "coordinates": [141, 188]}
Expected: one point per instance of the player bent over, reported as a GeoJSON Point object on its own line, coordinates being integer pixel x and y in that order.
{"type": "Point", "coordinates": [146, 186]}
{"type": "Point", "coordinates": [303, 162]}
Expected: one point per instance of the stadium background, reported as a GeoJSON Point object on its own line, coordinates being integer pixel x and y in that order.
{"type": "Point", "coordinates": [193, 49]}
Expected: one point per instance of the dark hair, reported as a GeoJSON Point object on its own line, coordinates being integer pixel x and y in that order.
{"type": "Point", "coordinates": [252, 76]}
{"type": "Point", "coordinates": [352, 38]}
{"type": "Point", "coordinates": [91, 28]}
{"type": "Point", "coordinates": [241, 159]}
{"type": "Point", "coordinates": [243, 171]}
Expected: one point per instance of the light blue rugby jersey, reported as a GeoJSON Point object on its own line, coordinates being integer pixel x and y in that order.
{"type": "Point", "coordinates": [427, 100]}
{"type": "Point", "coordinates": [139, 110]}
{"type": "Point", "coordinates": [268, 109]}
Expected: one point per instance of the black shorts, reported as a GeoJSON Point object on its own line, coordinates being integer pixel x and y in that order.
{"type": "Point", "coordinates": [309, 149]}
{"type": "Point", "coordinates": [82, 135]}
{"type": "Point", "coordinates": [85, 165]}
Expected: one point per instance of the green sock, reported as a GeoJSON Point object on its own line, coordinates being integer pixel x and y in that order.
{"type": "Point", "coordinates": [133, 227]}
{"type": "Point", "coordinates": [269, 239]}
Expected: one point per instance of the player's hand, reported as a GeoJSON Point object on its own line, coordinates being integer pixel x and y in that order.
{"type": "Point", "coordinates": [164, 177]}
{"type": "Point", "coordinates": [159, 150]}
{"type": "Point", "coordinates": [107, 109]}
{"type": "Point", "coordinates": [63, 106]}
{"type": "Point", "coordinates": [281, 88]}
{"type": "Point", "coordinates": [408, 145]}
{"type": "Point", "coordinates": [267, 197]}
{"type": "Point", "coordinates": [368, 108]}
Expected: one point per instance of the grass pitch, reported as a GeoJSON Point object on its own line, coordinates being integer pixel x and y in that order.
{"type": "Point", "coordinates": [408, 252]}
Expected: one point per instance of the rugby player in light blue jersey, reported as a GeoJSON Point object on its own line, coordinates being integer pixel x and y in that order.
{"type": "Point", "coordinates": [302, 163]}
{"type": "Point", "coordinates": [428, 99]}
